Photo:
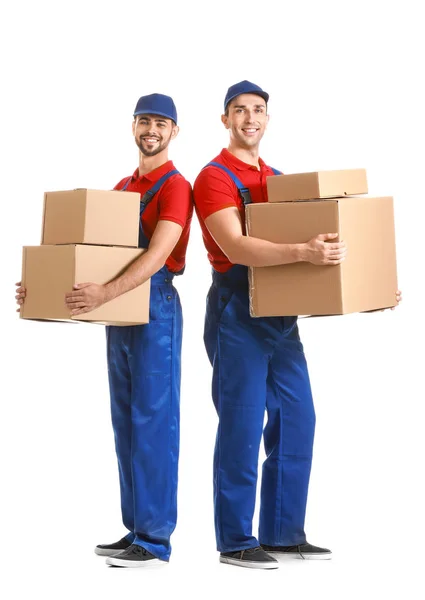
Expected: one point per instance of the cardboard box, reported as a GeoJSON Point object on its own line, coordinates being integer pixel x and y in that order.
{"type": "Point", "coordinates": [81, 216]}
{"type": "Point", "coordinates": [49, 272]}
{"type": "Point", "coordinates": [319, 184]}
{"type": "Point", "coordinates": [366, 280]}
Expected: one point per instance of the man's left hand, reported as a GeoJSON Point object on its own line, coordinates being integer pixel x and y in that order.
{"type": "Point", "coordinates": [398, 299]}
{"type": "Point", "coordinates": [85, 297]}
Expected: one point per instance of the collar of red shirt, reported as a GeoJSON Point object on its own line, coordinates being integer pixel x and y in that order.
{"type": "Point", "coordinates": [239, 164]}
{"type": "Point", "coordinates": [154, 175]}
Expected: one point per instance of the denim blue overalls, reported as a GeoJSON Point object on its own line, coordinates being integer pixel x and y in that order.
{"type": "Point", "coordinates": [144, 363]}
{"type": "Point", "coordinates": [258, 365]}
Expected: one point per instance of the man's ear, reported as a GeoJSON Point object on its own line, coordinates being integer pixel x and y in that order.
{"type": "Point", "coordinates": [225, 121]}
{"type": "Point", "coordinates": [175, 131]}
{"type": "Point", "coordinates": [133, 127]}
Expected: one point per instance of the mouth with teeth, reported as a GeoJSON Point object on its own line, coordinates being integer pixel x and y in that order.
{"type": "Point", "coordinates": [150, 140]}
{"type": "Point", "coordinates": [250, 131]}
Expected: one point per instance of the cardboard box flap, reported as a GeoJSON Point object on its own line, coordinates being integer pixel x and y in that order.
{"type": "Point", "coordinates": [317, 184]}
{"type": "Point", "coordinates": [96, 217]}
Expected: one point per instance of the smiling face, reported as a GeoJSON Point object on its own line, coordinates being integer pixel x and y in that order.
{"type": "Point", "coordinates": [153, 133]}
{"type": "Point", "coordinates": [246, 119]}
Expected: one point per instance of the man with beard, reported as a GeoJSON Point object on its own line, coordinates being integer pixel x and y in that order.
{"type": "Point", "coordinates": [144, 360]}
{"type": "Point", "coordinates": [258, 363]}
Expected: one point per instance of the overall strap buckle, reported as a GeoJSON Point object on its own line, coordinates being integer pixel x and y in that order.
{"type": "Point", "coordinates": [147, 197]}
{"type": "Point", "coordinates": [244, 192]}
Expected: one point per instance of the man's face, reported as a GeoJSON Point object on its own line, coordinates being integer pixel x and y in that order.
{"type": "Point", "coordinates": [153, 133]}
{"type": "Point", "coordinates": [246, 120]}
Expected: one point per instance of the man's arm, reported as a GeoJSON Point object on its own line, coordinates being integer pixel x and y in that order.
{"type": "Point", "coordinates": [225, 226]}
{"type": "Point", "coordinates": [88, 296]}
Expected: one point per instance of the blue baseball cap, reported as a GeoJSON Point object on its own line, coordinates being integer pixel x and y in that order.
{"type": "Point", "coordinates": [156, 104]}
{"type": "Point", "coordinates": [244, 87]}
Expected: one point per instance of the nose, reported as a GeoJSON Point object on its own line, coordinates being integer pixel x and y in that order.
{"type": "Point", "coordinates": [249, 116]}
{"type": "Point", "coordinates": [153, 130]}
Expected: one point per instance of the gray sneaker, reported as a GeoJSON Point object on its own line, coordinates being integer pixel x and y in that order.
{"type": "Point", "coordinates": [252, 558]}
{"type": "Point", "coordinates": [111, 549]}
{"type": "Point", "coordinates": [134, 556]}
{"type": "Point", "coordinates": [302, 551]}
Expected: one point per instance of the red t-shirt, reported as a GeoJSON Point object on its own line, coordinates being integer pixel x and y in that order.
{"type": "Point", "coordinates": [173, 202]}
{"type": "Point", "coordinates": [215, 190]}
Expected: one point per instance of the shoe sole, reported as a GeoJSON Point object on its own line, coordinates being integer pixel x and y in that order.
{"type": "Point", "coordinates": [106, 552]}
{"type": "Point", "coordinates": [115, 561]}
{"type": "Point", "coordinates": [248, 564]}
{"type": "Point", "coordinates": [325, 556]}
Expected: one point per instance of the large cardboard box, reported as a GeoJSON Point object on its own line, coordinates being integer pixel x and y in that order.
{"type": "Point", "coordinates": [82, 216]}
{"type": "Point", "coordinates": [49, 272]}
{"type": "Point", "coordinates": [319, 184]}
{"type": "Point", "coordinates": [366, 280]}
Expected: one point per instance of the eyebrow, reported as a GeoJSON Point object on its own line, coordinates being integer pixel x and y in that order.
{"type": "Point", "coordinates": [244, 106]}
{"type": "Point", "coordinates": [147, 117]}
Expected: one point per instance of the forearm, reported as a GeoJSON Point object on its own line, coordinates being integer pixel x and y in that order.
{"type": "Point", "coordinates": [254, 252]}
{"type": "Point", "coordinates": [137, 273]}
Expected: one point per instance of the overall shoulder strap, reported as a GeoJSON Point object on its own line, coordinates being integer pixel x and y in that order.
{"type": "Point", "coordinates": [243, 190]}
{"type": "Point", "coordinates": [147, 196]}
{"type": "Point", "coordinates": [276, 172]}
{"type": "Point", "coordinates": [124, 187]}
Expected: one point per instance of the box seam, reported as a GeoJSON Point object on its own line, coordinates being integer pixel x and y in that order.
{"type": "Point", "coordinates": [251, 276]}
{"type": "Point", "coordinates": [43, 222]}
{"type": "Point", "coordinates": [24, 265]}
{"type": "Point", "coordinates": [340, 266]}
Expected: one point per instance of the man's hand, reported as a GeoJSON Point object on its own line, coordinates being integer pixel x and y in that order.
{"type": "Point", "coordinates": [85, 297]}
{"type": "Point", "coordinates": [20, 295]}
{"type": "Point", "coordinates": [398, 299]}
{"type": "Point", "coordinates": [319, 251]}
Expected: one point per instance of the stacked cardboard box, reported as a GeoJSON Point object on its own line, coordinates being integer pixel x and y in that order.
{"type": "Point", "coordinates": [87, 236]}
{"type": "Point", "coordinates": [304, 205]}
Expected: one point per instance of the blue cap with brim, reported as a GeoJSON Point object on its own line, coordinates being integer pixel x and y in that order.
{"type": "Point", "coordinates": [244, 87]}
{"type": "Point", "coordinates": [156, 104]}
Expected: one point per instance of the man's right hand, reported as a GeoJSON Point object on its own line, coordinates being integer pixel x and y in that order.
{"type": "Point", "coordinates": [20, 295]}
{"type": "Point", "coordinates": [319, 251]}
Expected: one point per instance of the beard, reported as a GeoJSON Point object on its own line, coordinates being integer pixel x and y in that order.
{"type": "Point", "coordinates": [161, 146]}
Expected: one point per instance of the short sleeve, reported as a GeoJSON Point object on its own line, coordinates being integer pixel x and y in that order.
{"type": "Point", "coordinates": [213, 191]}
{"type": "Point", "coordinates": [175, 202]}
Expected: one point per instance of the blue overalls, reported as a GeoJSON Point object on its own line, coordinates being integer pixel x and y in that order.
{"type": "Point", "coordinates": [144, 377]}
{"type": "Point", "coordinates": [258, 365]}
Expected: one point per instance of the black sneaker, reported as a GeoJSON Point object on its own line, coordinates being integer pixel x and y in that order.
{"type": "Point", "coordinates": [253, 558]}
{"type": "Point", "coordinates": [303, 551]}
{"type": "Point", "coordinates": [133, 556]}
{"type": "Point", "coordinates": [111, 549]}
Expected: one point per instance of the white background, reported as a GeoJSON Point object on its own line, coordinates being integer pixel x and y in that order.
{"type": "Point", "coordinates": [346, 86]}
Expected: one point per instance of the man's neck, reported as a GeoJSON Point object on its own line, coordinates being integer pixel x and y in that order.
{"type": "Point", "coordinates": [150, 163]}
{"type": "Point", "coordinates": [249, 156]}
